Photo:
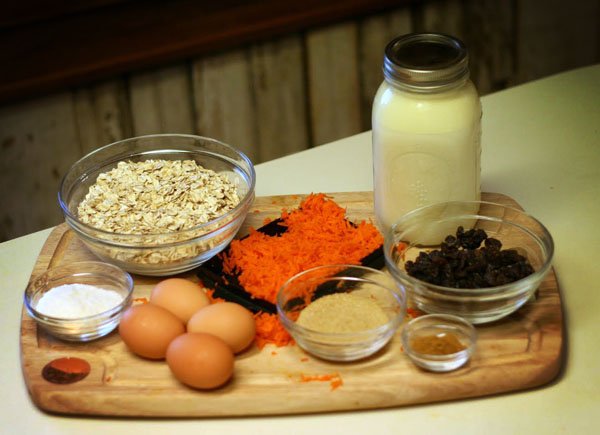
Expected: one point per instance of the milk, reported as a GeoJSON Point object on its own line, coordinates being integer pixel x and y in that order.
{"type": "Point", "coordinates": [426, 148]}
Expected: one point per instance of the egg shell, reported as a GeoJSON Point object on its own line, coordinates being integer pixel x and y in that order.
{"type": "Point", "coordinates": [180, 296]}
{"type": "Point", "coordinates": [200, 360]}
{"type": "Point", "coordinates": [229, 321]}
{"type": "Point", "coordinates": [148, 329]}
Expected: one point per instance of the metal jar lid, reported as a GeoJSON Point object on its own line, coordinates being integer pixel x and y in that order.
{"type": "Point", "coordinates": [426, 62]}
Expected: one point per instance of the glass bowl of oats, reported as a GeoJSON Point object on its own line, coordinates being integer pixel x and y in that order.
{"type": "Point", "coordinates": [160, 204]}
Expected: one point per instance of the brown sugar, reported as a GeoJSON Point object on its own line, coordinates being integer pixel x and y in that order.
{"type": "Point", "coordinates": [342, 312]}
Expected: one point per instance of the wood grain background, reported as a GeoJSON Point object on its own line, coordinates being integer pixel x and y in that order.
{"type": "Point", "coordinates": [274, 97]}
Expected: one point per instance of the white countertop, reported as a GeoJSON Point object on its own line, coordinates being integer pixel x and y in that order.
{"type": "Point", "coordinates": [541, 145]}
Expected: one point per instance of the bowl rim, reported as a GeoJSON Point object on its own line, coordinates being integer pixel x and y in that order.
{"type": "Point", "coordinates": [244, 202]}
{"type": "Point", "coordinates": [367, 334]}
{"type": "Point", "coordinates": [56, 321]}
{"type": "Point", "coordinates": [472, 292]}
{"type": "Point", "coordinates": [443, 319]}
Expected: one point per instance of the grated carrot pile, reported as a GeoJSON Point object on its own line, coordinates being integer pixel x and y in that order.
{"type": "Point", "coordinates": [270, 331]}
{"type": "Point", "coordinates": [317, 234]}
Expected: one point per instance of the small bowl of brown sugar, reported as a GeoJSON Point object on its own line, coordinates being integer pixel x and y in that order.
{"type": "Point", "coordinates": [439, 342]}
{"type": "Point", "coordinates": [158, 204]}
{"type": "Point", "coordinates": [341, 312]}
{"type": "Point", "coordinates": [478, 260]}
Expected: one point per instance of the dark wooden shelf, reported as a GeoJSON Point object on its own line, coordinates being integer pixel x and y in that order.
{"type": "Point", "coordinates": [48, 45]}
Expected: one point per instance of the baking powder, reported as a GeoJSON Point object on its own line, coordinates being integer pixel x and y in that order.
{"type": "Point", "coordinates": [72, 301]}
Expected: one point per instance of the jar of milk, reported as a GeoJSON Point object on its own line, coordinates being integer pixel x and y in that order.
{"type": "Point", "coordinates": [426, 127]}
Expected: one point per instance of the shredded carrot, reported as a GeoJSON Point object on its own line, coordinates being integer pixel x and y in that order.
{"type": "Point", "coordinates": [400, 247]}
{"type": "Point", "coordinates": [335, 380]}
{"type": "Point", "coordinates": [413, 312]}
{"type": "Point", "coordinates": [141, 300]}
{"type": "Point", "coordinates": [317, 234]}
{"type": "Point", "coordinates": [268, 328]}
{"type": "Point", "coordinates": [305, 359]}
{"type": "Point", "coordinates": [336, 383]}
{"type": "Point", "coordinates": [270, 331]}
{"type": "Point", "coordinates": [211, 295]}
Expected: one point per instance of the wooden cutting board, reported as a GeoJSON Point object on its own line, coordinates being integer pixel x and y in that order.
{"type": "Point", "coordinates": [521, 351]}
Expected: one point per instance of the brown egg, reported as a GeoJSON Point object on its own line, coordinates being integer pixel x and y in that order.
{"type": "Point", "coordinates": [180, 296]}
{"type": "Point", "coordinates": [148, 329]}
{"type": "Point", "coordinates": [231, 322]}
{"type": "Point", "coordinates": [200, 360]}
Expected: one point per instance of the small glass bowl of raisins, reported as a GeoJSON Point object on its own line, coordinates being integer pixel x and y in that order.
{"type": "Point", "coordinates": [478, 260]}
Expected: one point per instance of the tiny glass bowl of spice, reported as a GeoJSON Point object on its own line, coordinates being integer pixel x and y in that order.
{"type": "Point", "coordinates": [79, 301]}
{"type": "Point", "coordinates": [478, 260]}
{"type": "Point", "coordinates": [439, 342]}
{"type": "Point", "coordinates": [341, 312]}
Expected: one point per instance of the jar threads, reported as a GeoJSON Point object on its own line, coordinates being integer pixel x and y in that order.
{"type": "Point", "coordinates": [426, 62]}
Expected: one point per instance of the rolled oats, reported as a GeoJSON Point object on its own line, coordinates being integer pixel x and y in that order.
{"type": "Point", "coordinates": [156, 196]}
{"type": "Point", "coordinates": [160, 200]}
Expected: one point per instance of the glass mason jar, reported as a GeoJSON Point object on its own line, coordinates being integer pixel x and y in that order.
{"type": "Point", "coordinates": [426, 127]}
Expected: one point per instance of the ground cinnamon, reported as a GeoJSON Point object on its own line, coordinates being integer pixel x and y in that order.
{"type": "Point", "coordinates": [439, 344]}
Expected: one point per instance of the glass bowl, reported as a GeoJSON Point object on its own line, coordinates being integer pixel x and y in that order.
{"type": "Point", "coordinates": [95, 273]}
{"type": "Point", "coordinates": [430, 341]}
{"type": "Point", "coordinates": [423, 230]}
{"type": "Point", "coordinates": [370, 286]}
{"type": "Point", "coordinates": [161, 253]}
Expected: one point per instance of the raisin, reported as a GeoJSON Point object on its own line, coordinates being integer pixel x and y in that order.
{"type": "Point", "coordinates": [461, 262]}
{"type": "Point", "coordinates": [470, 239]}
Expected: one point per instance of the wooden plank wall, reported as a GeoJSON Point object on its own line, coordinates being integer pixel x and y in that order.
{"type": "Point", "coordinates": [276, 97]}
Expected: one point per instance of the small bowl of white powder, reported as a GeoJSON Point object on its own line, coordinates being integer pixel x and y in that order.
{"type": "Point", "coordinates": [80, 301]}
